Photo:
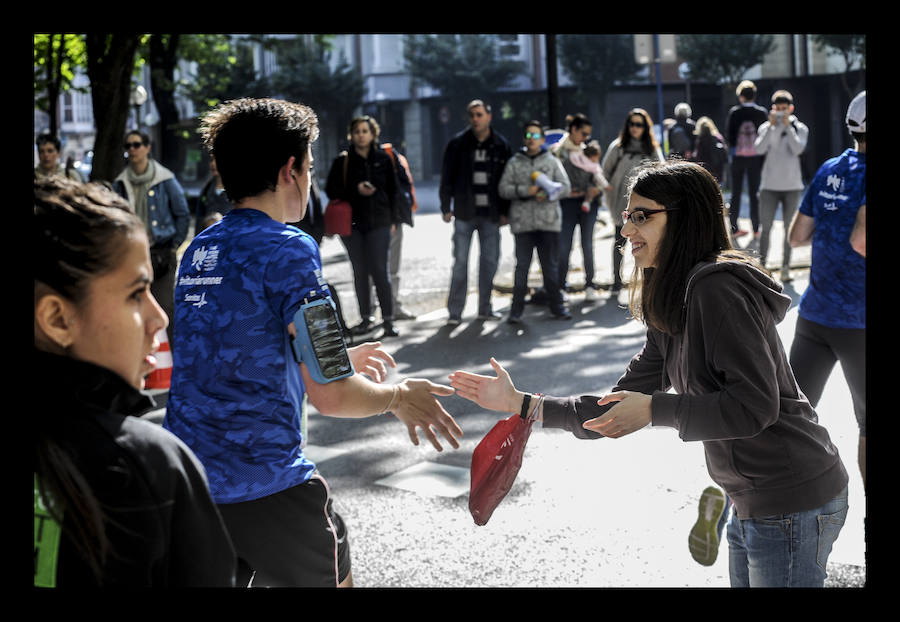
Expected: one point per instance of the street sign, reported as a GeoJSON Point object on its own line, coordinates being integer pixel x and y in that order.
{"type": "Point", "coordinates": [643, 49]}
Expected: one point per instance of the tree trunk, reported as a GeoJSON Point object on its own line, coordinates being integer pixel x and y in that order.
{"type": "Point", "coordinates": [54, 80]}
{"type": "Point", "coordinates": [163, 59]}
{"type": "Point", "coordinates": [110, 60]}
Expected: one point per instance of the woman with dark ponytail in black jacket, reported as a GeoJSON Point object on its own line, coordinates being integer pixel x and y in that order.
{"type": "Point", "coordinates": [118, 500]}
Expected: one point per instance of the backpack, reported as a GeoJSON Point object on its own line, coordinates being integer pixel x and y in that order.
{"type": "Point", "coordinates": [679, 141]}
{"type": "Point", "coordinates": [407, 195]}
{"type": "Point", "coordinates": [745, 139]}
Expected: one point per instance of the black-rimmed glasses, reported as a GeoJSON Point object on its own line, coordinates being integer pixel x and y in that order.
{"type": "Point", "coordinates": [639, 215]}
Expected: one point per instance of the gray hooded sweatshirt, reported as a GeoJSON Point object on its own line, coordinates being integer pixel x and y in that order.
{"type": "Point", "coordinates": [735, 392]}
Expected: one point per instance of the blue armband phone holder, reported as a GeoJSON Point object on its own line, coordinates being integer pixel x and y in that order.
{"type": "Point", "coordinates": [320, 342]}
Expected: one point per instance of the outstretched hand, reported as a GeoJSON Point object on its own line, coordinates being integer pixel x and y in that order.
{"type": "Point", "coordinates": [492, 393]}
{"type": "Point", "coordinates": [369, 359]}
{"type": "Point", "coordinates": [418, 408]}
{"type": "Point", "coordinates": [630, 415]}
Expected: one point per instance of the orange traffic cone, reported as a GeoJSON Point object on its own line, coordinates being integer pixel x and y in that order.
{"type": "Point", "coordinates": [160, 378]}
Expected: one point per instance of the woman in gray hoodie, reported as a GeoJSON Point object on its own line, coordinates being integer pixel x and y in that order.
{"type": "Point", "coordinates": [711, 316]}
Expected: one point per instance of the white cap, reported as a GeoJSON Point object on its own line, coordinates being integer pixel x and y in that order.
{"type": "Point", "coordinates": [856, 114]}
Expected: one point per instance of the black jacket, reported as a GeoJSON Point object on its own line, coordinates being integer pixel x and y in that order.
{"type": "Point", "coordinates": [370, 212]}
{"type": "Point", "coordinates": [456, 175]}
{"type": "Point", "coordinates": [163, 527]}
{"type": "Point", "coordinates": [313, 221]}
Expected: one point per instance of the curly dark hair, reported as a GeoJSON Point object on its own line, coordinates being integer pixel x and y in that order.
{"type": "Point", "coordinates": [251, 139]}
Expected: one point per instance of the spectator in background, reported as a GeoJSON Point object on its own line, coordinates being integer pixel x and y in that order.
{"type": "Point", "coordinates": [370, 185]}
{"type": "Point", "coordinates": [158, 200]}
{"type": "Point", "coordinates": [535, 220]}
{"type": "Point", "coordinates": [48, 159]}
{"type": "Point", "coordinates": [709, 150]}
{"type": "Point", "coordinates": [740, 131]}
{"type": "Point", "coordinates": [681, 134]}
{"type": "Point", "coordinates": [313, 221]}
{"type": "Point", "coordinates": [212, 198]}
{"type": "Point", "coordinates": [781, 140]}
{"type": "Point", "coordinates": [118, 501]}
{"type": "Point", "coordinates": [406, 199]}
{"type": "Point", "coordinates": [579, 207]}
{"type": "Point", "coordinates": [473, 162]}
{"type": "Point", "coordinates": [635, 144]}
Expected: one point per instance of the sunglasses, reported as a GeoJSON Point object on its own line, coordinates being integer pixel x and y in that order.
{"type": "Point", "coordinates": [639, 216]}
{"type": "Point", "coordinates": [533, 135]}
{"type": "Point", "coordinates": [134, 145]}
{"type": "Point", "coordinates": [638, 124]}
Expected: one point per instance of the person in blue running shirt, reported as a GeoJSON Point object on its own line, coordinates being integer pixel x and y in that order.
{"type": "Point", "coordinates": [831, 326]}
{"type": "Point", "coordinates": [237, 396]}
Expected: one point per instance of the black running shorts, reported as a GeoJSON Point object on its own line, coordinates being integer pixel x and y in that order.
{"type": "Point", "coordinates": [293, 538]}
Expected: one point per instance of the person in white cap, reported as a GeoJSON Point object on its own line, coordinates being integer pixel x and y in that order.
{"type": "Point", "coordinates": [832, 323]}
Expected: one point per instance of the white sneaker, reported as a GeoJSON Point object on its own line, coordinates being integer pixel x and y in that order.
{"type": "Point", "coordinates": [785, 275]}
{"type": "Point", "coordinates": [590, 293]}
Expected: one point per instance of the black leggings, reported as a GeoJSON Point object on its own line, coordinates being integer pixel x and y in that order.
{"type": "Point", "coordinates": [369, 253]}
{"type": "Point", "coordinates": [815, 350]}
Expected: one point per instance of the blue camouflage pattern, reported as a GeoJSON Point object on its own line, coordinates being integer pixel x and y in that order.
{"type": "Point", "coordinates": [836, 295]}
{"type": "Point", "coordinates": [236, 394]}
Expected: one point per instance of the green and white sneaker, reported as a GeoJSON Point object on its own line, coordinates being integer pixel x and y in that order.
{"type": "Point", "coordinates": [703, 541]}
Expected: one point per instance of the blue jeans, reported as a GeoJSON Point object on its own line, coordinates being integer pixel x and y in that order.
{"type": "Point", "coordinates": [788, 550]}
{"type": "Point", "coordinates": [571, 216]}
{"type": "Point", "coordinates": [489, 243]}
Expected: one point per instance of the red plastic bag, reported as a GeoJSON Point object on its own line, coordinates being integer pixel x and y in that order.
{"type": "Point", "coordinates": [495, 464]}
{"type": "Point", "coordinates": [338, 218]}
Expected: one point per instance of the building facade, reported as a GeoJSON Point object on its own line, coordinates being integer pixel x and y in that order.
{"type": "Point", "coordinates": [417, 119]}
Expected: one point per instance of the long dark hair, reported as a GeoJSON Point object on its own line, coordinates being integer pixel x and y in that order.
{"type": "Point", "coordinates": [649, 144]}
{"type": "Point", "coordinates": [695, 232]}
{"type": "Point", "coordinates": [78, 233]}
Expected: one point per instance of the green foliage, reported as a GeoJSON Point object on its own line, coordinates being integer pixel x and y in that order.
{"type": "Point", "coordinates": [56, 59]}
{"type": "Point", "coordinates": [723, 59]}
{"type": "Point", "coordinates": [462, 67]}
{"type": "Point", "coordinates": [221, 69]}
{"type": "Point", "coordinates": [309, 74]}
{"type": "Point", "coordinates": [595, 63]}
{"type": "Point", "coordinates": [851, 47]}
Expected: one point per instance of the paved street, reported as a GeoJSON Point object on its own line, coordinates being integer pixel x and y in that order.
{"type": "Point", "coordinates": [605, 513]}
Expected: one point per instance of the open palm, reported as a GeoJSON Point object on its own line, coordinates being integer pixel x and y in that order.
{"type": "Point", "coordinates": [492, 393]}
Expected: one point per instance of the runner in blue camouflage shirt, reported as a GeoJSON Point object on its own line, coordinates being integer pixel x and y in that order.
{"type": "Point", "coordinates": [237, 394]}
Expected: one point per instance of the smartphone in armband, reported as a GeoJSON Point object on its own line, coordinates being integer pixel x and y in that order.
{"type": "Point", "coordinates": [320, 343]}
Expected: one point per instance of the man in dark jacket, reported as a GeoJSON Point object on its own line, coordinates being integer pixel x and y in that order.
{"type": "Point", "coordinates": [473, 163]}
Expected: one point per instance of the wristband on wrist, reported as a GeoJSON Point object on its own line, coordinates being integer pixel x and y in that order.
{"type": "Point", "coordinates": [391, 403]}
{"type": "Point", "coordinates": [525, 403]}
